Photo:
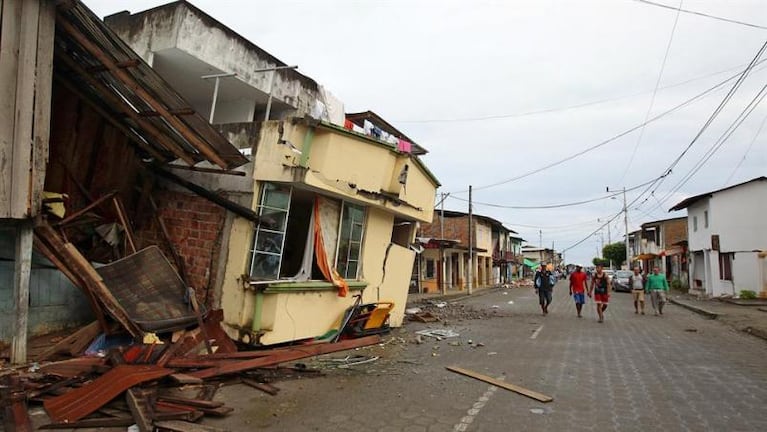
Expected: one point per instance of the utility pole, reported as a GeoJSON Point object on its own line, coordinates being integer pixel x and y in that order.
{"type": "Point", "coordinates": [443, 287]}
{"type": "Point", "coordinates": [626, 226]}
{"type": "Point", "coordinates": [471, 248]}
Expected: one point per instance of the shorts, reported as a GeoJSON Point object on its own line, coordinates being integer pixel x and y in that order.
{"type": "Point", "coordinates": [601, 298]}
{"type": "Point", "coordinates": [579, 298]}
{"type": "Point", "coordinates": [638, 295]}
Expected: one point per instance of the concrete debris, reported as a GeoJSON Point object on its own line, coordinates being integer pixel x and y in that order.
{"type": "Point", "coordinates": [438, 334]}
{"type": "Point", "coordinates": [413, 311]}
{"type": "Point", "coordinates": [458, 312]}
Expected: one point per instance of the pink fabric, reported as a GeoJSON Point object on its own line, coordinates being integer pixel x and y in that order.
{"type": "Point", "coordinates": [404, 146]}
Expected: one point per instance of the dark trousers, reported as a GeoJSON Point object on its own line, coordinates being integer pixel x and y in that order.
{"type": "Point", "coordinates": [544, 296]}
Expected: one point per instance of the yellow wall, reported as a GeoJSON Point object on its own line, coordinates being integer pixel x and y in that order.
{"type": "Point", "coordinates": [301, 314]}
{"type": "Point", "coordinates": [343, 164]}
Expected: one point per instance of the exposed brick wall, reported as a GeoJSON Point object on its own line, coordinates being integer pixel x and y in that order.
{"type": "Point", "coordinates": [674, 231]}
{"type": "Point", "coordinates": [456, 228]}
{"type": "Point", "coordinates": [195, 227]}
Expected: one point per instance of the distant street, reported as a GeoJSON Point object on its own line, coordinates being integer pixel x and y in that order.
{"type": "Point", "coordinates": [678, 372]}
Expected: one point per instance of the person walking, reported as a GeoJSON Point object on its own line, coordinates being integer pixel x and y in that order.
{"type": "Point", "coordinates": [544, 287]}
{"type": "Point", "coordinates": [657, 286]}
{"type": "Point", "coordinates": [637, 283]}
{"type": "Point", "coordinates": [578, 289]}
{"type": "Point", "coordinates": [600, 287]}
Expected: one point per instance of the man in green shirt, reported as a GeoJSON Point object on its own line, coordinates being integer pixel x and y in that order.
{"type": "Point", "coordinates": [657, 286]}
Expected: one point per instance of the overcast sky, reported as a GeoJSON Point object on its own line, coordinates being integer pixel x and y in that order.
{"type": "Point", "coordinates": [468, 80]}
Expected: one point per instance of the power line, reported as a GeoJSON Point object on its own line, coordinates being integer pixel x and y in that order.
{"type": "Point", "coordinates": [567, 107]}
{"type": "Point", "coordinates": [654, 93]}
{"type": "Point", "coordinates": [611, 139]}
{"type": "Point", "coordinates": [551, 206]}
{"type": "Point", "coordinates": [713, 115]}
{"type": "Point", "coordinates": [703, 14]}
{"type": "Point", "coordinates": [718, 144]}
{"type": "Point", "coordinates": [743, 159]}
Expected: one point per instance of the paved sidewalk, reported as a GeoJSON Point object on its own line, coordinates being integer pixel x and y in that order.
{"type": "Point", "coordinates": [748, 319]}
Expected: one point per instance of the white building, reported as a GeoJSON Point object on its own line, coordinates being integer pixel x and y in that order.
{"type": "Point", "coordinates": [728, 239]}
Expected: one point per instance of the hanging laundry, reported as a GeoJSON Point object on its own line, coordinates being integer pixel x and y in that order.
{"type": "Point", "coordinates": [358, 129]}
{"type": "Point", "coordinates": [368, 127]}
{"type": "Point", "coordinates": [348, 124]}
{"type": "Point", "coordinates": [384, 136]}
{"type": "Point", "coordinates": [404, 146]}
{"type": "Point", "coordinates": [392, 140]}
{"type": "Point", "coordinates": [376, 132]}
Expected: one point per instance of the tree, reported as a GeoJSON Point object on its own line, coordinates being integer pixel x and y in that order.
{"type": "Point", "coordinates": [600, 262]}
{"type": "Point", "coordinates": [615, 252]}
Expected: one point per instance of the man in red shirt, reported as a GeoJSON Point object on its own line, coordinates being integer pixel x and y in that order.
{"type": "Point", "coordinates": [578, 288]}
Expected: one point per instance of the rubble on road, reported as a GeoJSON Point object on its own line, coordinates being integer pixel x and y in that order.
{"type": "Point", "coordinates": [432, 311]}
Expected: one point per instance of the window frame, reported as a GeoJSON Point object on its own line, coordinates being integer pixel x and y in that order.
{"type": "Point", "coordinates": [260, 209]}
{"type": "Point", "coordinates": [427, 274]}
{"type": "Point", "coordinates": [725, 265]}
{"type": "Point", "coordinates": [344, 272]}
{"type": "Point", "coordinates": [695, 223]}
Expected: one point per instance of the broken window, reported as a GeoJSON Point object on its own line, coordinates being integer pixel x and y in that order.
{"type": "Point", "coordinates": [273, 211]}
{"type": "Point", "coordinates": [350, 240]}
{"type": "Point", "coordinates": [402, 232]}
{"type": "Point", "coordinates": [283, 244]}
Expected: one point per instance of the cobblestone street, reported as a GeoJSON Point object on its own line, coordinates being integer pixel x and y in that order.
{"type": "Point", "coordinates": [678, 372]}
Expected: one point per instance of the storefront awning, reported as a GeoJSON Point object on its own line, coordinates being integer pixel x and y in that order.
{"type": "Point", "coordinates": [645, 256]}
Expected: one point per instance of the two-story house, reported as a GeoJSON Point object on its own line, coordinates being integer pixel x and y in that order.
{"type": "Point", "coordinates": [338, 202]}
{"type": "Point", "coordinates": [662, 243]}
{"type": "Point", "coordinates": [446, 243]}
{"type": "Point", "coordinates": [728, 237]}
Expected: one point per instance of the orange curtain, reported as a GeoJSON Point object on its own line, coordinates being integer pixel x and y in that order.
{"type": "Point", "coordinates": [323, 262]}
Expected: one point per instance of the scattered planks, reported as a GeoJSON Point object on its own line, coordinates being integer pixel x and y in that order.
{"type": "Point", "coordinates": [498, 383]}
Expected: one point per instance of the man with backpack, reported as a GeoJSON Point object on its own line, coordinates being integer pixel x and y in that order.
{"type": "Point", "coordinates": [544, 287]}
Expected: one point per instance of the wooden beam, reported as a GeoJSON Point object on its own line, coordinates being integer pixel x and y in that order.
{"type": "Point", "coordinates": [21, 162]}
{"type": "Point", "coordinates": [502, 384]}
{"type": "Point", "coordinates": [131, 83]}
{"type": "Point", "coordinates": [43, 91]}
{"type": "Point", "coordinates": [209, 195]}
{"type": "Point", "coordinates": [207, 170]}
{"type": "Point", "coordinates": [175, 112]}
{"type": "Point", "coordinates": [182, 426]}
{"type": "Point", "coordinates": [9, 59]}
{"type": "Point", "coordinates": [129, 235]}
{"type": "Point", "coordinates": [85, 209]}
{"type": "Point", "coordinates": [21, 274]}
{"type": "Point", "coordinates": [122, 65]}
{"type": "Point", "coordinates": [73, 344]}
{"type": "Point", "coordinates": [139, 408]}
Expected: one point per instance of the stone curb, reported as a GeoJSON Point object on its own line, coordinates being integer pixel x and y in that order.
{"type": "Point", "coordinates": [706, 313]}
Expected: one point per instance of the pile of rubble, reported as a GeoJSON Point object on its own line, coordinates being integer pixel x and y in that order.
{"type": "Point", "coordinates": [446, 312]}
{"type": "Point", "coordinates": [160, 385]}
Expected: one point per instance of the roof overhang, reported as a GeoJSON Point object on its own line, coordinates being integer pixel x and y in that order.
{"type": "Point", "coordinates": [95, 63]}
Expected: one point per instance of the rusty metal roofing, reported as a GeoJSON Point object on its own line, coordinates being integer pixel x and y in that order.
{"type": "Point", "coordinates": [78, 403]}
{"type": "Point", "coordinates": [90, 58]}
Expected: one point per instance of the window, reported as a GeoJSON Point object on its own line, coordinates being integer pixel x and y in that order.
{"type": "Point", "coordinates": [350, 240]}
{"type": "Point", "coordinates": [705, 219]}
{"type": "Point", "coordinates": [725, 265]}
{"type": "Point", "coordinates": [279, 245]}
{"type": "Point", "coordinates": [695, 223]}
{"type": "Point", "coordinates": [429, 269]}
{"type": "Point", "coordinates": [273, 210]}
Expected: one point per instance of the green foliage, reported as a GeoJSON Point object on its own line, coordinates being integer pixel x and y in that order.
{"type": "Point", "coordinates": [615, 252]}
{"type": "Point", "coordinates": [599, 261]}
{"type": "Point", "coordinates": [747, 294]}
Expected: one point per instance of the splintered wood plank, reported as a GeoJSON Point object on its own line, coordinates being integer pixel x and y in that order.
{"type": "Point", "coordinates": [182, 426]}
{"type": "Point", "coordinates": [73, 344]}
{"type": "Point", "coordinates": [498, 383]}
